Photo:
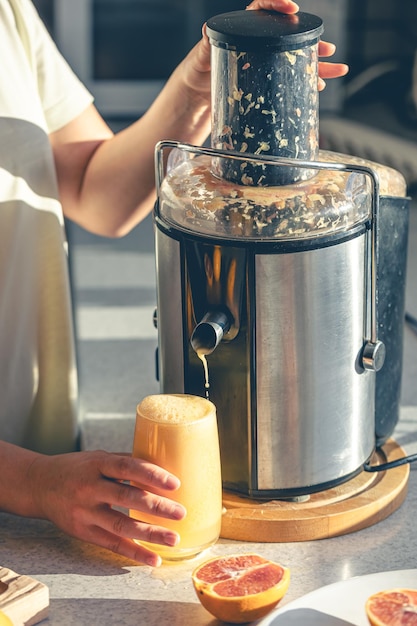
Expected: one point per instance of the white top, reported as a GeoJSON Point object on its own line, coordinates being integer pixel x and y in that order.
{"type": "Point", "coordinates": [38, 95]}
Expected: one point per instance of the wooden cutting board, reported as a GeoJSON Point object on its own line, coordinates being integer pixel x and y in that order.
{"type": "Point", "coordinates": [23, 599]}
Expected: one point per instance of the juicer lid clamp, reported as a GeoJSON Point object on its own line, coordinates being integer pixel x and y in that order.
{"type": "Point", "coordinates": [257, 30]}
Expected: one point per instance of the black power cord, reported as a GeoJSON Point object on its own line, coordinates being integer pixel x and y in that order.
{"type": "Point", "coordinates": [411, 321]}
{"type": "Point", "coordinates": [385, 466]}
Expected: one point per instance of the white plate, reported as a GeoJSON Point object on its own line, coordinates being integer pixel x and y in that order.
{"type": "Point", "coordinates": [339, 604]}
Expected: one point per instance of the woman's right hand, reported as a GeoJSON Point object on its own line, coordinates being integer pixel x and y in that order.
{"type": "Point", "coordinates": [79, 492]}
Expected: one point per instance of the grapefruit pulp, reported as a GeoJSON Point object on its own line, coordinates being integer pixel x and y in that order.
{"type": "Point", "coordinates": [240, 588]}
{"type": "Point", "coordinates": [394, 607]}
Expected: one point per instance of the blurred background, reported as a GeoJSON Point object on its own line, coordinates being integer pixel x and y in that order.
{"type": "Point", "coordinates": [124, 50]}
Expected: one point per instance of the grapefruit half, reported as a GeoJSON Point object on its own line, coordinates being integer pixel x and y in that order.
{"type": "Point", "coordinates": [394, 607]}
{"type": "Point", "coordinates": [240, 588]}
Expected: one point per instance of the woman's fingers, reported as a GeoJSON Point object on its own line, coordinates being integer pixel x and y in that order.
{"type": "Point", "coordinates": [121, 525]}
{"type": "Point", "coordinates": [116, 531]}
{"type": "Point", "coordinates": [129, 496]}
{"type": "Point", "coordinates": [283, 6]}
{"type": "Point", "coordinates": [332, 70]}
{"type": "Point", "coordinates": [326, 49]}
{"type": "Point", "coordinates": [329, 70]}
{"type": "Point", "coordinates": [127, 468]}
{"type": "Point", "coordinates": [130, 549]}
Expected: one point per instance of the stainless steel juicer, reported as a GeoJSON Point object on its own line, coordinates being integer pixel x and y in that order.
{"type": "Point", "coordinates": [269, 266]}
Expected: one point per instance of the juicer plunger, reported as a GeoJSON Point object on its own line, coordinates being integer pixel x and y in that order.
{"type": "Point", "coordinates": [264, 92]}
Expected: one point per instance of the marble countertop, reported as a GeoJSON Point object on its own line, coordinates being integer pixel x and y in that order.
{"type": "Point", "coordinates": [90, 586]}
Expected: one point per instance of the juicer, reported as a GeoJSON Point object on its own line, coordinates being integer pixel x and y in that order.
{"type": "Point", "coordinates": [282, 267]}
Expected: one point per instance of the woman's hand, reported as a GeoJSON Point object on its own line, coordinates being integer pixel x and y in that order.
{"type": "Point", "coordinates": [326, 49]}
{"type": "Point", "coordinates": [78, 493]}
{"type": "Point", "coordinates": [86, 151]}
{"type": "Point", "coordinates": [196, 65]}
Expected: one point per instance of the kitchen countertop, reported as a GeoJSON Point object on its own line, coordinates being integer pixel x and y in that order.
{"type": "Point", "coordinates": [90, 586]}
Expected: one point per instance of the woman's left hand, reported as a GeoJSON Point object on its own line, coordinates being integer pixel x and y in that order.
{"type": "Point", "coordinates": [196, 65]}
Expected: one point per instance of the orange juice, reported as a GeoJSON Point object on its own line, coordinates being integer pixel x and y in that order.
{"type": "Point", "coordinates": [179, 433]}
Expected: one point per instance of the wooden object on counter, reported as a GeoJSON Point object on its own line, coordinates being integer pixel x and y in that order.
{"type": "Point", "coordinates": [359, 503]}
{"type": "Point", "coordinates": [23, 599]}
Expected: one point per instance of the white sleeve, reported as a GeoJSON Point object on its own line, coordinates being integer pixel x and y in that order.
{"type": "Point", "coordinates": [62, 94]}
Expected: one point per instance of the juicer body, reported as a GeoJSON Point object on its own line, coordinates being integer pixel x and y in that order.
{"type": "Point", "coordinates": [268, 257]}
{"type": "Point", "coordinates": [295, 406]}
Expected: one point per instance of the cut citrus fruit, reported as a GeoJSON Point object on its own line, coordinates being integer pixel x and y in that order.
{"type": "Point", "coordinates": [4, 620]}
{"type": "Point", "coordinates": [240, 588]}
{"type": "Point", "coordinates": [393, 607]}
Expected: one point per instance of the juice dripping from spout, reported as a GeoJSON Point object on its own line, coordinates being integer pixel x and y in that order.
{"type": "Point", "coordinates": [203, 359]}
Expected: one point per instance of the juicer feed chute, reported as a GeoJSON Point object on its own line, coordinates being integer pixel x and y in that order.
{"type": "Point", "coordinates": [264, 86]}
{"type": "Point", "coordinates": [268, 263]}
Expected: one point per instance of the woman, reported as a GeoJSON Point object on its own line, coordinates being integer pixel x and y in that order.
{"type": "Point", "coordinates": [58, 157]}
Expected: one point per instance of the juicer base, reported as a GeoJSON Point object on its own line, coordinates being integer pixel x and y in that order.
{"type": "Point", "coordinates": [348, 507]}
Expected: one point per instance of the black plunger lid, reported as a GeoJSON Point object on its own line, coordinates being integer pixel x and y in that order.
{"type": "Point", "coordinates": [256, 30]}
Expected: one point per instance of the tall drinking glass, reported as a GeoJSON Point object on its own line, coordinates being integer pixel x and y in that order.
{"type": "Point", "coordinates": [179, 433]}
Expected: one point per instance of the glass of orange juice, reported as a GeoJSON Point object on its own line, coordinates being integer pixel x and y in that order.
{"type": "Point", "coordinates": [179, 433]}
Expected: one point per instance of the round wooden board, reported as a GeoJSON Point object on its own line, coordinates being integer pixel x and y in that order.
{"type": "Point", "coordinates": [361, 502]}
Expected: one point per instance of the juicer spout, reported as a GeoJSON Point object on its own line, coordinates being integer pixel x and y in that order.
{"type": "Point", "coordinates": [209, 332]}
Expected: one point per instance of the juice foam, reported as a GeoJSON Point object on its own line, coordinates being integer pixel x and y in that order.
{"type": "Point", "coordinates": [175, 409]}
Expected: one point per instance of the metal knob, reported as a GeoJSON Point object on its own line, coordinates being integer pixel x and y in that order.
{"type": "Point", "coordinates": [373, 355]}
